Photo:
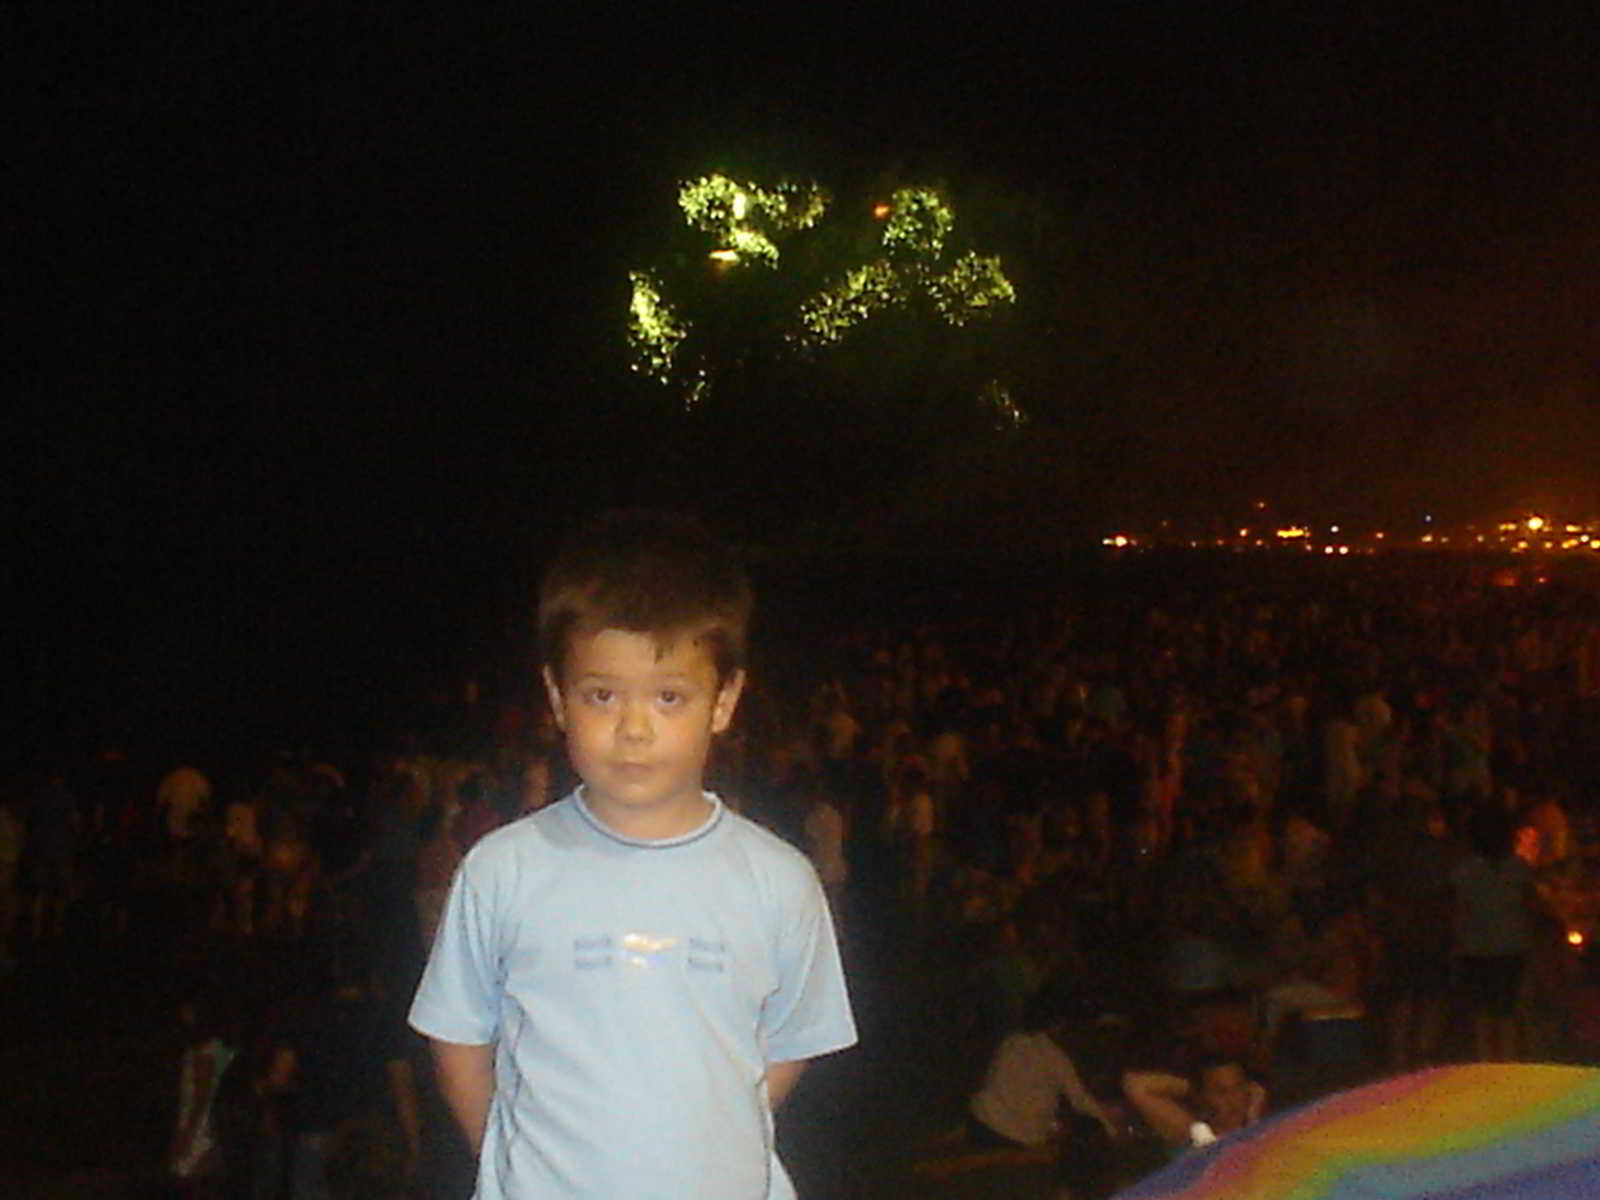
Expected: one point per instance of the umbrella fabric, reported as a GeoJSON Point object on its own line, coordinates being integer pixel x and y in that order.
{"type": "Point", "coordinates": [1508, 1131]}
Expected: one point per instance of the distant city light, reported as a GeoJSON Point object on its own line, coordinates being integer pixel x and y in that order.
{"type": "Point", "coordinates": [1465, 537]}
{"type": "Point", "coordinates": [1535, 523]}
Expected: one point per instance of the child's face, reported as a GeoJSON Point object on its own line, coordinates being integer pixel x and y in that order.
{"type": "Point", "coordinates": [639, 724]}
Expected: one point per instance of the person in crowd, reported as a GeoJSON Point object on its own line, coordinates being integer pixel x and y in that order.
{"type": "Point", "coordinates": [1468, 744]}
{"type": "Point", "coordinates": [1547, 817]}
{"type": "Point", "coordinates": [1413, 923]}
{"type": "Point", "coordinates": [1033, 1106]}
{"type": "Point", "coordinates": [948, 761]}
{"type": "Point", "coordinates": [825, 832]}
{"type": "Point", "coordinates": [909, 829]}
{"type": "Point", "coordinates": [1343, 775]}
{"type": "Point", "coordinates": [1216, 1098]}
{"type": "Point", "coordinates": [346, 1086]}
{"type": "Point", "coordinates": [1303, 860]}
{"type": "Point", "coordinates": [247, 1120]}
{"type": "Point", "coordinates": [436, 866]}
{"type": "Point", "coordinates": [1494, 902]}
{"type": "Point", "coordinates": [838, 731]}
{"type": "Point", "coordinates": [289, 876]}
{"type": "Point", "coordinates": [625, 986]}
{"type": "Point", "coordinates": [242, 833]}
{"type": "Point", "coordinates": [1033, 958]}
{"type": "Point", "coordinates": [182, 795]}
{"type": "Point", "coordinates": [195, 1158]}
{"type": "Point", "coordinates": [1316, 1035]}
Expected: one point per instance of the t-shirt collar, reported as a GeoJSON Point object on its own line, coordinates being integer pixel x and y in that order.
{"type": "Point", "coordinates": [712, 820]}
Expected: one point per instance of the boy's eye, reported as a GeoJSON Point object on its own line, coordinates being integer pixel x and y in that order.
{"type": "Point", "coordinates": [671, 699]}
{"type": "Point", "coordinates": [599, 695]}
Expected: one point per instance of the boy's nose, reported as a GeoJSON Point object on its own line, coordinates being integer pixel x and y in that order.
{"type": "Point", "coordinates": [634, 723]}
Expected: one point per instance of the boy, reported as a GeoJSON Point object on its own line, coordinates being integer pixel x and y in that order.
{"type": "Point", "coordinates": [625, 984]}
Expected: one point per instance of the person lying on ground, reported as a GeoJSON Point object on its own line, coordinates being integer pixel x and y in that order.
{"type": "Point", "coordinates": [1217, 1098]}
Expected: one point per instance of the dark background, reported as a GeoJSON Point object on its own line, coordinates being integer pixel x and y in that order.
{"type": "Point", "coordinates": [321, 304]}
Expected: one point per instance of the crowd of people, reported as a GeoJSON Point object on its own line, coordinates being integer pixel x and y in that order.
{"type": "Point", "coordinates": [1267, 829]}
{"type": "Point", "coordinates": [289, 910]}
{"type": "Point", "coordinates": [1196, 839]}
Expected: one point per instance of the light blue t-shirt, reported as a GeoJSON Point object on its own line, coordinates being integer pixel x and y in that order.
{"type": "Point", "coordinates": [636, 992]}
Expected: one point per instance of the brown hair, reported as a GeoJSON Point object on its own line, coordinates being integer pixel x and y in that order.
{"type": "Point", "coordinates": [646, 572]}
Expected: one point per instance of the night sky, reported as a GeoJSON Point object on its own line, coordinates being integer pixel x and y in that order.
{"type": "Point", "coordinates": [322, 303]}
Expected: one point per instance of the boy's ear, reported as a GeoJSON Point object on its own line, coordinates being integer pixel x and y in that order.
{"type": "Point", "coordinates": [727, 700]}
{"type": "Point", "coordinates": [557, 701]}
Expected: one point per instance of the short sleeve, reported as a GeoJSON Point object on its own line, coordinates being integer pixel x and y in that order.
{"type": "Point", "coordinates": [809, 1013]}
{"type": "Point", "coordinates": [458, 999]}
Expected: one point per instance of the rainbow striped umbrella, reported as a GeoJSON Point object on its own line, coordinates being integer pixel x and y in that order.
{"type": "Point", "coordinates": [1487, 1130]}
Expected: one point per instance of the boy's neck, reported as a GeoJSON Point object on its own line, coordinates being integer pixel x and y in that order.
{"type": "Point", "coordinates": [653, 824]}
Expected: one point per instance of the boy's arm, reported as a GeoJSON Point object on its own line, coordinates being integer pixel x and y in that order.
{"type": "Point", "coordinates": [781, 1078]}
{"type": "Point", "coordinates": [809, 1013]}
{"type": "Point", "coordinates": [466, 1079]}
